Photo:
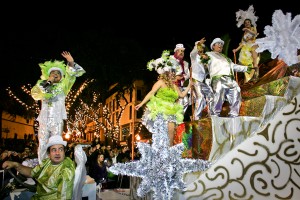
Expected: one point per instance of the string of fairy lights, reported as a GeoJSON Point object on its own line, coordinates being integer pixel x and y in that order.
{"type": "Point", "coordinates": [74, 94]}
{"type": "Point", "coordinates": [91, 113]}
{"type": "Point", "coordinates": [32, 106]}
{"type": "Point", "coordinates": [25, 88]}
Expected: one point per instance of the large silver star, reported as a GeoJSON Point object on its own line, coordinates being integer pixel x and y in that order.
{"type": "Point", "coordinates": [161, 167]}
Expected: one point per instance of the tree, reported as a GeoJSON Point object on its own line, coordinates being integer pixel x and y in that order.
{"type": "Point", "coordinates": [99, 114]}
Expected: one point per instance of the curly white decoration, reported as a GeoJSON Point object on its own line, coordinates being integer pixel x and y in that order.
{"type": "Point", "coordinates": [248, 14]}
{"type": "Point", "coordinates": [282, 39]}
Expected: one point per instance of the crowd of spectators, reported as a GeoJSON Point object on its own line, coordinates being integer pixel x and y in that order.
{"type": "Point", "coordinates": [18, 150]}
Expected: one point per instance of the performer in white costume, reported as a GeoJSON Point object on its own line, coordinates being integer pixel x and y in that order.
{"type": "Point", "coordinates": [53, 87]}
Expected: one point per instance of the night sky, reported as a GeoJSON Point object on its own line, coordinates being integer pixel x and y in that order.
{"type": "Point", "coordinates": [115, 41]}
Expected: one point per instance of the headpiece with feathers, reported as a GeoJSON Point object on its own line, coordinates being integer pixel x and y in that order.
{"type": "Point", "coordinates": [162, 64]}
{"type": "Point", "coordinates": [241, 16]}
{"type": "Point", "coordinates": [49, 66]}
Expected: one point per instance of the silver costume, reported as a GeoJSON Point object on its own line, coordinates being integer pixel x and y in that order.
{"type": "Point", "coordinates": [202, 92]}
{"type": "Point", "coordinates": [53, 110]}
{"type": "Point", "coordinates": [224, 86]}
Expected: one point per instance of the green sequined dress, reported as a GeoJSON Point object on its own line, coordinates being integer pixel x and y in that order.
{"type": "Point", "coordinates": [164, 108]}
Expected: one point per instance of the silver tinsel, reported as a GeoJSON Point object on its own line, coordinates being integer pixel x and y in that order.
{"type": "Point", "coordinates": [161, 167]}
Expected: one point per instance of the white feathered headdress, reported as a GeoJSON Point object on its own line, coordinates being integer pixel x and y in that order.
{"type": "Point", "coordinates": [162, 64]}
{"type": "Point", "coordinates": [248, 14]}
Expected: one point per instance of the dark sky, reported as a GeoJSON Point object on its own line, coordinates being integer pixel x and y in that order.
{"type": "Point", "coordinates": [105, 38]}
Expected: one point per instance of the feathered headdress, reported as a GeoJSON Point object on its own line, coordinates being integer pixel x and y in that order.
{"type": "Point", "coordinates": [248, 14]}
{"type": "Point", "coordinates": [49, 66]}
{"type": "Point", "coordinates": [162, 64]}
{"type": "Point", "coordinates": [282, 38]}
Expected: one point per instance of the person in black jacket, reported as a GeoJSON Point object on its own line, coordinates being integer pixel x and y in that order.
{"type": "Point", "coordinates": [99, 170]}
{"type": "Point", "coordinates": [124, 155]}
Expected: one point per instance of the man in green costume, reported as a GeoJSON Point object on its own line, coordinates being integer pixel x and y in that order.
{"type": "Point", "coordinates": [54, 176]}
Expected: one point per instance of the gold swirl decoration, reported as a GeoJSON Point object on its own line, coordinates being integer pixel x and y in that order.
{"type": "Point", "coordinates": [254, 158]}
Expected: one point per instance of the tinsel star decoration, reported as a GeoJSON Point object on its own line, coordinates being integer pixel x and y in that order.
{"type": "Point", "coordinates": [161, 167]}
{"type": "Point", "coordinates": [282, 39]}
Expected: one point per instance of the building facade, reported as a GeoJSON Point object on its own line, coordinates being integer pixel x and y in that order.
{"type": "Point", "coordinates": [123, 121]}
{"type": "Point", "coordinates": [16, 126]}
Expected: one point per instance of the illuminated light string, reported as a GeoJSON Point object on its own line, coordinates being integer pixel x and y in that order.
{"type": "Point", "coordinates": [71, 97]}
{"type": "Point", "coordinates": [90, 113]}
{"type": "Point", "coordinates": [83, 114]}
{"type": "Point", "coordinates": [35, 105]}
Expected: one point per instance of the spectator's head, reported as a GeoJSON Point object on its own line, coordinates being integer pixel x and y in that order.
{"type": "Point", "coordinates": [15, 154]}
{"type": "Point", "coordinates": [4, 155]}
{"type": "Point", "coordinates": [98, 146]}
{"type": "Point", "coordinates": [124, 149]}
{"type": "Point", "coordinates": [100, 158]}
{"type": "Point", "coordinates": [27, 150]}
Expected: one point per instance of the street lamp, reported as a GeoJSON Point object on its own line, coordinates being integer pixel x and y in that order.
{"type": "Point", "coordinates": [137, 137]}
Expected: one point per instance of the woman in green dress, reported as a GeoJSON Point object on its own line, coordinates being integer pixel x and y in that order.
{"type": "Point", "coordinates": [163, 112]}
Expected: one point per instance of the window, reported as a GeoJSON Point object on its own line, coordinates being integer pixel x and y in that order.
{"type": "Point", "coordinates": [113, 105]}
{"type": "Point", "coordinates": [125, 132]}
{"type": "Point", "coordinates": [118, 104]}
{"type": "Point", "coordinates": [130, 96]}
{"type": "Point", "coordinates": [139, 113]}
{"type": "Point", "coordinates": [130, 112]}
{"type": "Point", "coordinates": [139, 95]}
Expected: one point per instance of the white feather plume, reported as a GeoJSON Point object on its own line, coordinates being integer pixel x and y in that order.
{"type": "Point", "coordinates": [248, 14]}
{"type": "Point", "coordinates": [282, 38]}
